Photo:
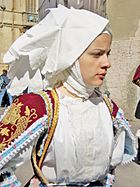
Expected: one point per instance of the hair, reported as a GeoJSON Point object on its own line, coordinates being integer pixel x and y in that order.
{"type": "Point", "coordinates": [4, 71]}
{"type": "Point", "coordinates": [108, 29]}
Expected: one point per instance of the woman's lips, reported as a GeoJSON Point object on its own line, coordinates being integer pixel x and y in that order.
{"type": "Point", "coordinates": [102, 76]}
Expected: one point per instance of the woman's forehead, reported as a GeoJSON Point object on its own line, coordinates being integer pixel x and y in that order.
{"type": "Point", "coordinates": [101, 41]}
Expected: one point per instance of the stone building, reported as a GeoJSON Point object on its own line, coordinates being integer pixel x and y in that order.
{"type": "Point", "coordinates": [98, 6]}
{"type": "Point", "coordinates": [125, 54]}
{"type": "Point", "coordinates": [16, 16]}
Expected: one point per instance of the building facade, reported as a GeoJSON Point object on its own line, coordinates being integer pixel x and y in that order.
{"type": "Point", "coordinates": [16, 16]}
{"type": "Point", "coordinates": [98, 6]}
{"type": "Point", "coordinates": [125, 54]}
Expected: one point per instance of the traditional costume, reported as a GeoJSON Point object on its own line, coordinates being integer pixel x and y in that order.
{"type": "Point", "coordinates": [73, 141]}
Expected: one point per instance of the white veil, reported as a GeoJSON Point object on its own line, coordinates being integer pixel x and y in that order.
{"type": "Point", "coordinates": [50, 47]}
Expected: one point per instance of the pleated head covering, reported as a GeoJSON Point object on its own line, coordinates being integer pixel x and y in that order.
{"type": "Point", "coordinates": [51, 46]}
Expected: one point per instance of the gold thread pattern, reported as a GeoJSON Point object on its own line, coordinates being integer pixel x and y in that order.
{"type": "Point", "coordinates": [53, 125]}
{"type": "Point", "coordinates": [108, 103]}
{"type": "Point", "coordinates": [16, 122]}
{"type": "Point", "coordinates": [49, 112]}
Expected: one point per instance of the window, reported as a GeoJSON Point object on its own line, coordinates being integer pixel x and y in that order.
{"type": "Point", "coordinates": [31, 11]}
{"type": "Point", "coordinates": [31, 6]}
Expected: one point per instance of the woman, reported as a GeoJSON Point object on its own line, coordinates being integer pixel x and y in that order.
{"type": "Point", "coordinates": [80, 135]}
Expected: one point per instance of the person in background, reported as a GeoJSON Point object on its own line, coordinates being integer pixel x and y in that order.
{"type": "Point", "coordinates": [136, 81]}
{"type": "Point", "coordinates": [71, 132]}
{"type": "Point", "coordinates": [5, 97]}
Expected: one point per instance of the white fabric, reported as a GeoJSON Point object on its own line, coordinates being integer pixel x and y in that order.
{"type": "Point", "coordinates": [83, 141]}
{"type": "Point", "coordinates": [74, 82]}
{"type": "Point", "coordinates": [54, 44]}
{"type": "Point", "coordinates": [138, 133]}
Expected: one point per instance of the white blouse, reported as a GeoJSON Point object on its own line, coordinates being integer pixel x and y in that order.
{"type": "Point", "coordinates": [83, 141]}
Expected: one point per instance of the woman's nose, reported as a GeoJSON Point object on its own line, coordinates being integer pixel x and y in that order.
{"type": "Point", "coordinates": [106, 62]}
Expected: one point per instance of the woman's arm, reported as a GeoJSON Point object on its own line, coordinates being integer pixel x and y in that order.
{"type": "Point", "coordinates": [20, 126]}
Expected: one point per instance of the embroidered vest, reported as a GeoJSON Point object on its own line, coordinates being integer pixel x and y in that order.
{"type": "Point", "coordinates": [29, 116]}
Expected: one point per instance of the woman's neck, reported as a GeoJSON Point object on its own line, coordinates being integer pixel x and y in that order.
{"type": "Point", "coordinates": [67, 92]}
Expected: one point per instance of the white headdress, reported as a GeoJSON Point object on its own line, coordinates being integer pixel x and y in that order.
{"type": "Point", "coordinates": [51, 46]}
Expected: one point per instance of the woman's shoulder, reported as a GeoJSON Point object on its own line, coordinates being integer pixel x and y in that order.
{"type": "Point", "coordinates": [111, 104]}
{"type": "Point", "coordinates": [24, 111]}
{"type": "Point", "coordinates": [35, 102]}
{"type": "Point", "coordinates": [29, 101]}
{"type": "Point", "coordinates": [24, 120]}
{"type": "Point", "coordinates": [136, 77]}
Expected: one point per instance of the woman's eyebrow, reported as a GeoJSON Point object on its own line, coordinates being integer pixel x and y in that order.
{"type": "Point", "coordinates": [98, 50]}
{"type": "Point", "coordinates": [101, 50]}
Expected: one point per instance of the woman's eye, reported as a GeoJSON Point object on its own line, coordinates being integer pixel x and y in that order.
{"type": "Point", "coordinates": [96, 55]}
{"type": "Point", "coordinates": [108, 53]}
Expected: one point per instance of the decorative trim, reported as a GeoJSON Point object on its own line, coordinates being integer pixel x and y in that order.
{"type": "Point", "coordinates": [120, 124]}
{"type": "Point", "coordinates": [49, 107]}
{"type": "Point", "coordinates": [38, 164]}
{"type": "Point", "coordinates": [8, 178]}
{"type": "Point", "coordinates": [108, 103]}
{"type": "Point", "coordinates": [22, 141]}
{"type": "Point", "coordinates": [53, 126]}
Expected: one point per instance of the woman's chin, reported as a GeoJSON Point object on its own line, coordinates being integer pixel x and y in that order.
{"type": "Point", "coordinates": [97, 83]}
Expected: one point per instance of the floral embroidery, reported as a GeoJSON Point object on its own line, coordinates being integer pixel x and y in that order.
{"type": "Point", "coordinates": [2, 146]}
{"type": "Point", "coordinates": [15, 122]}
{"type": "Point", "coordinates": [4, 132]}
{"type": "Point", "coordinates": [13, 113]}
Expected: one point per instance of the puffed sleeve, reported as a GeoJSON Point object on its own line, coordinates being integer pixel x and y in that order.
{"type": "Point", "coordinates": [124, 141]}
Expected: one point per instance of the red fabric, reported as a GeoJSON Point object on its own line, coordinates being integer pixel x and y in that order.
{"type": "Point", "coordinates": [33, 101]}
{"type": "Point", "coordinates": [137, 74]}
{"type": "Point", "coordinates": [23, 112]}
{"type": "Point", "coordinates": [115, 109]}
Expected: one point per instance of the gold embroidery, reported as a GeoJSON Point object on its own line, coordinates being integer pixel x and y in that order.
{"type": "Point", "coordinates": [13, 114]}
{"type": "Point", "coordinates": [15, 120]}
{"type": "Point", "coordinates": [53, 125]}
{"type": "Point", "coordinates": [37, 166]}
{"type": "Point", "coordinates": [4, 132]}
{"type": "Point", "coordinates": [49, 110]}
{"type": "Point", "coordinates": [2, 146]}
{"type": "Point", "coordinates": [108, 103]}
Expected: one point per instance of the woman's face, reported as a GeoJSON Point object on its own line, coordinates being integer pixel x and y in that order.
{"type": "Point", "coordinates": [94, 61]}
